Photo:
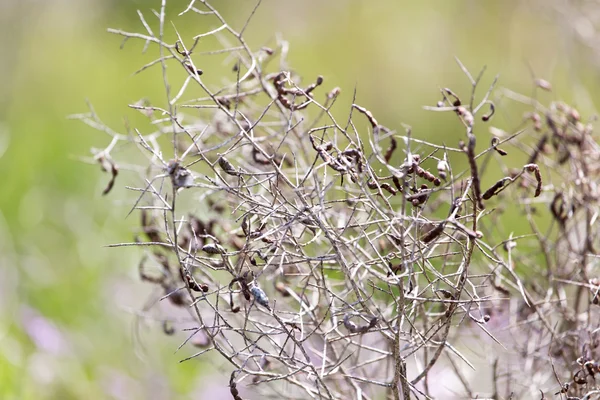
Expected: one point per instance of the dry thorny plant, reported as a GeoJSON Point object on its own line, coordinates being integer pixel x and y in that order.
{"type": "Point", "coordinates": [320, 258]}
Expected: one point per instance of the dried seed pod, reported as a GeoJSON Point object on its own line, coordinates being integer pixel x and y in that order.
{"type": "Point", "coordinates": [434, 233]}
{"type": "Point", "coordinates": [543, 84]}
{"type": "Point", "coordinates": [194, 285]}
{"type": "Point", "coordinates": [579, 377]}
{"type": "Point", "coordinates": [383, 185]}
{"type": "Point", "coordinates": [538, 177]}
{"type": "Point", "coordinates": [181, 50]}
{"type": "Point", "coordinates": [107, 164]}
{"type": "Point", "coordinates": [487, 117]}
{"type": "Point", "coordinates": [564, 389]}
{"type": "Point", "coordinates": [213, 248]}
{"type": "Point", "coordinates": [246, 225]}
{"type": "Point", "coordinates": [442, 167]}
{"type": "Point", "coordinates": [446, 293]}
{"type": "Point", "coordinates": [495, 142]}
{"type": "Point", "coordinates": [367, 114]}
{"type": "Point", "coordinates": [312, 87]}
{"type": "Point", "coordinates": [268, 50]}
{"type": "Point", "coordinates": [394, 269]}
{"type": "Point", "coordinates": [456, 101]}
{"type": "Point", "coordinates": [335, 92]}
{"type": "Point", "coordinates": [494, 189]}
{"type": "Point", "coordinates": [465, 115]}
{"type": "Point", "coordinates": [232, 387]}
{"type": "Point", "coordinates": [260, 296]}
{"type": "Point", "coordinates": [390, 151]}
{"type": "Point", "coordinates": [227, 166]}
{"type": "Point", "coordinates": [353, 328]}
{"type": "Point", "coordinates": [181, 177]}
{"type": "Point", "coordinates": [193, 71]}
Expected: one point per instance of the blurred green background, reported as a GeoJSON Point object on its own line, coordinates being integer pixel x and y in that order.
{"type": "Point", "coordinates": [67, 303]}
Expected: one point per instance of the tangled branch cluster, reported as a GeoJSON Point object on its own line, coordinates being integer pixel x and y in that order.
{"type": "Point", "coordinates": [336, 259]}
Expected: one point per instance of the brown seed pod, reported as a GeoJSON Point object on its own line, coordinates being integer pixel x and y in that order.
{"type": "Point", "coordinates": [538, 177]}
{"type": "Point", "coordinates": [107, 164]}
{"type": "Point", "coordinates": [367, 114]}
{"type": "Point", "coordinates": [487, 117]}
{"type": "Point", "coordinates": [494, 189]}
{"type": "Point", "coordinates": [495, 142]}
{"type": "Point", "coordinates": [213, 248]}
{"type": "Point", "coordinates": [434, 233]}
{"type": "Point", "coordinates": [227, 166]}
{"type": "Point", "coordinates": [390, 151]}
{"type": "Point", "coordinates": [394, 269]}
{"type": "Point", "coordinates": [466, 116]}
{"type": "Point", "coordinates": [232, 387]}
{"type": "Point", "coordinates": [193, 71]}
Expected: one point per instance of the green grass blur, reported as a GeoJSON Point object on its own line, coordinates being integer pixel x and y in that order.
{"type": "Point", "coordinates": [67, 303]}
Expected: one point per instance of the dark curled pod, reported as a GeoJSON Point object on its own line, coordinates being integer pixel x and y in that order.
{"type": "Point", "coordinates": [579, 377]}
{"type": "Point", "coordinates": [107, 164]}
{"type": "Point", "coordinates": [538, 177]}
{"type": "Point", "coordinates": [212, 248]}
{"type": "Point", "coordinates": [487, 117]}
{"type": "Point", "coordinates": [434, 233]}
{"type": "Point", "coordinates": [495, 142]}
{"type": "Point", "coordinates": [227, 166]}
{"type": "Point", "coordinates": [246, 226]}
{"type": "Point", "coordinates": [494, 189]}
{"type": "Point", "coordinates": [390, 151]}
{"type": "Point", "coordinates": [193, 71]}
{"type": "Point", "coordinates": [394, 269]}
{"type": "Point", "coordinates": [367, 114]}
{"type": "Point", "coordinates": [353, 328]}
{"type": "Point", "coordinates": [232, 387]}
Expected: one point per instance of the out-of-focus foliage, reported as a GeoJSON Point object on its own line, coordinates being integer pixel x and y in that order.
{"type": "Point", "coordinates": [68, 304]}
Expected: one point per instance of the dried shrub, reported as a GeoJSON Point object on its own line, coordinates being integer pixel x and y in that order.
{"type": "Point", "coordinates": [312, 256]}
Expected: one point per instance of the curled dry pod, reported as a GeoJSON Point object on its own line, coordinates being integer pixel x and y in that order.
{"type": "Point", "coordinates": [227, 166]}
{"type": "Point", "coordinates": [213, 248]}
{"type": "Point", "coordinates": [353, 328]}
